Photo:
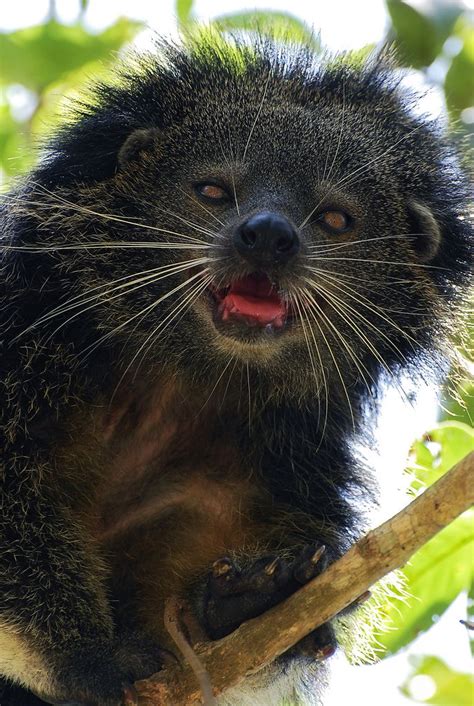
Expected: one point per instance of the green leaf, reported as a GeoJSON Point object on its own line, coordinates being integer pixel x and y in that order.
{"type": "Point", "coordinates": [38, 56]}
{"type": "Point", "coordinates": [184, 11]}
{"type": "Point", "coordinates": [416, 36]}
{"type": "Point", "coordinates": [16, 154]}
{"type": "Point", "coordinates": [470, 617]}
{"type": "Point", "coordinates": [439, 450]}
{"type": "Point", "coordinates": [278, 25]}
{"type": "Point", "coordinates": [452, 688]}
{"type": "Point", "coordinates": [435, 575]}
{"type": "Point", "coordinates": [459, 81]}
{"type": "Point", "coordinates": [443, 567]}
{"type": "Point", "coordinates": [461, 407]}
{"type": "Point", "coordinates": [444, 14]}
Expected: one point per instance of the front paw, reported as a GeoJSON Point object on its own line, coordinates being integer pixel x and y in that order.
{"type": "Point", "coordinates": [103, 676]}
{"type": "Point", "coordinates": [234, 594]}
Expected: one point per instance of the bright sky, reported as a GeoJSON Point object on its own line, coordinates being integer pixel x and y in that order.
{"type": "Point", "coordinates": [363, 21]}
{"type": "Point", "coordinates": [344, 24]}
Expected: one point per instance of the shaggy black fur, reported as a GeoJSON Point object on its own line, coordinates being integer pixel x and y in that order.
{"type": "Point", "coordinates": [281, 133]}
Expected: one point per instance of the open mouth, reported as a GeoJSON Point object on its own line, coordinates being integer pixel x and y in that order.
{"type": "Point", "coordinates": [251, 301]}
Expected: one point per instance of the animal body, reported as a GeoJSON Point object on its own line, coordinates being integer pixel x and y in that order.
{"type": "Point", "coordinates": [202, 284]}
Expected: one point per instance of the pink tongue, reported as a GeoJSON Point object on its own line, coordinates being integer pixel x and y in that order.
{"type": "Point", "coordinates": [252, 298]}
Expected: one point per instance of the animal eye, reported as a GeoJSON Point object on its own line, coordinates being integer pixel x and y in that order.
{"type": "Point", "coordinates": [335, 221]}
{"type": "Point", "coordinates": [212, 192]}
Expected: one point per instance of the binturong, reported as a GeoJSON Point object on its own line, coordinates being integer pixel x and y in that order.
{"type": "Point", "coordinates": [220, 257]}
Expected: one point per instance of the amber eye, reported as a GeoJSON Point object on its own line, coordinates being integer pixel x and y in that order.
{"type": "Point", "coordinates": [335, 221]}
{"type": "Point", "coordinates": [212, 192]}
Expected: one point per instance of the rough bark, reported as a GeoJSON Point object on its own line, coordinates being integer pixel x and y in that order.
{"type": "Point", "coordinates": [258, 642]}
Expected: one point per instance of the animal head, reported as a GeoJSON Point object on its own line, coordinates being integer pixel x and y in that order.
{"type": "Point", "coordinates": [224, 207]}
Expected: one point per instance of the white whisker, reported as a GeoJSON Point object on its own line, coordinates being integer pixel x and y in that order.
{"type": "Point", "coordinates": [145, 310]}
{"type": "Point", "coordinates": [378, 311]}
{"type": "Point", "coordinates": [117, 245]}
{"type": "Point", "coordinates": [182, 304]}
{"type": "Point", "coordinates": [344, 343]}
{"type": "Point", "coordinates": [296, 302]}
{"type": "Point", "coordinates": [226, 366]}
{"type": "Point", "coordinates": [256, 117]}
{"type": "Point", "coordinates": [185, 193]}
{"type": "Point", "coordinates": [316, 309]}
{"type": "Point", "coordinates": [103, 296]}
{"type": "Point", "coordinates": [351, 175]}
{"type": "Point", "coordinates": [110, 217]}
{"type": "Point", "coordinates": [340, 307]}
{"type": "Point", "coordinates": [382, 262]}
{"type": "Point", "coordinates": [325, 247]}
{"type": "Point", "coordinates": [328, 176]}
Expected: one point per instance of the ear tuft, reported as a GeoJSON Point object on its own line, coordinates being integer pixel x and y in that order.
{"type": "Point", "coordinates": [427, 231]}
{"type": "Point", "coordinates": [138, 142]}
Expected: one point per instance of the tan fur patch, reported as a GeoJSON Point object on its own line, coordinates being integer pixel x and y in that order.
{"type": "Point", "coordinates": [20, 663]}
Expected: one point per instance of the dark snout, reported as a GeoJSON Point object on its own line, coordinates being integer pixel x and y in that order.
{"type": "Point", "coordinates": [267, 239]}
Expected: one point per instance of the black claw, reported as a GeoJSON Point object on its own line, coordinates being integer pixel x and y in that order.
{"type": "Point", "coordinates": [358, 601]}
{"type": "Point", "coordinates": [226, 578]}
{"type": "Point", "coordinates": [263, 578]}
{"type": "Point", "coordinates": [319, 644]}
{"type": "Point", "coordinates": [362, 598]}
{"type": "Point", "coordinates": [235, 594]}
{"type": "Point", "coordinates": [309, 564]}
{"type": "Point", "coordinates": [272, 566]}
{"type": "Point", "coordinates": [318, 554]}
{"type": "Point", "coordinates": [221, 567]}
{"type": "Point", "coordinates": [325, 652]}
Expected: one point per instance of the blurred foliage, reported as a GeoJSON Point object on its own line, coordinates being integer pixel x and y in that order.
{"type": "Point", "coordinates": [43, 67]}
{"type": "Point", "coordinates": [52, 51]}
{"type": "Point", "coordinates": [437, 573]}
{"type": "Point", "coordinates": [422, 39]}
{"type": "Point", "coordinates": [39, 67]}
{"type": "Point", "coordinates": [459, 402]}
{"type": "Point", "coordinates": [438, 451]}
{"type": "Point", "coordinates": [470, 617]}
{"type": "Point", "coordinates": [443, 567]}
{"type": "Point", "coordinates": [459, 81]}
{"type": "Point", "coordinates": [419, 36]}
{"type": "Point", "coordinates": [281, 25]}
{"type": "Point", "coordinates": [451, 688]}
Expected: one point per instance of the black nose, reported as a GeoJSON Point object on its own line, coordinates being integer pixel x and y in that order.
{"type": "Point", "coordinates": [267, 238]}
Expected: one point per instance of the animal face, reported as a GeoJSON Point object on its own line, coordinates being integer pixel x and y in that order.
{"type": "Point", "coordinates": [282, 225]}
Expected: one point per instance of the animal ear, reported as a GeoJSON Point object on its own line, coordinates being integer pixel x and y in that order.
{"type": "Point", "coordinates": [137, 143]}
{"type": "Point", "coordinates": [425, 231]}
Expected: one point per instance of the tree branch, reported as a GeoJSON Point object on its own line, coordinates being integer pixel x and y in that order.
{"type": "Point", "coordinates": [258, 642]}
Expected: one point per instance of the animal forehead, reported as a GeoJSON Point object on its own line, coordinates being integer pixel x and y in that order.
{"type": "Point", "coordinates": [284, 138]}
{"type": "Point", "coordinates": [276, 119]}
